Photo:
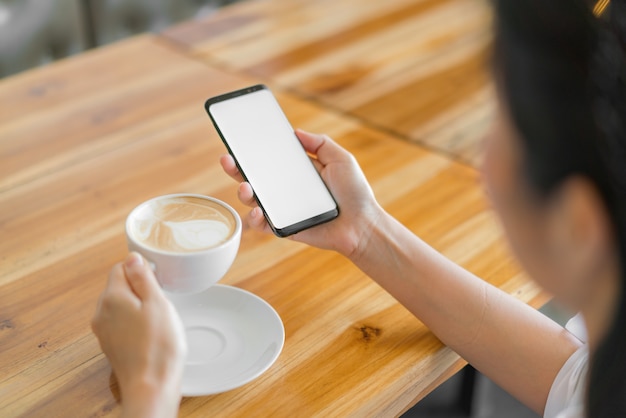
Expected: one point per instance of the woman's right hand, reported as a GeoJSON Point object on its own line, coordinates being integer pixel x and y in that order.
{"type": "Point", "coordinates": [358, 209]}
{"type": "Point", "coordinates": [143, 337]}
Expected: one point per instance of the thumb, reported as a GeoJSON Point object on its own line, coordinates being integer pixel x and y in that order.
{"type": "Point", "coordinates": [323, 147]}
{"type": "Point", "coordinates": [140, 277]}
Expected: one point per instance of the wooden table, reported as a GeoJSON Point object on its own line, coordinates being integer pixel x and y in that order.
{"type": "Point", "coordinates": [416, 68]}
{"type": "Point", "coordinates": [84, 140]}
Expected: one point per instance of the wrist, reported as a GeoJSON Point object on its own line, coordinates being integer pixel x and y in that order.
{"type": "Point", "coordinates": [144, 398]}
{"type": "Point", "coordinates": [365, 232]}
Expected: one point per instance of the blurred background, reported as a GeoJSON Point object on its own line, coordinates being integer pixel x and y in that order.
{"type": "Point", "coordinates": [35, 32]}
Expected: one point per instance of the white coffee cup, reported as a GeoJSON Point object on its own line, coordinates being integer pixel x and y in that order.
{"type": "Point", "coordinates": [190, 240]}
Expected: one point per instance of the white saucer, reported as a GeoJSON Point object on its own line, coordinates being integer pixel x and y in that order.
{"type": "Point", "coordinates": [233, 336]}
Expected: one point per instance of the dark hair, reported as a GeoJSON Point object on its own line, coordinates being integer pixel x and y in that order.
{"type": "Point", "coordinates": [561, 71]}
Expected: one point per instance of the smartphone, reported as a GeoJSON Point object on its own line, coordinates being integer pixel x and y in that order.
{"type": "Point", "coordinates": [286, 184]}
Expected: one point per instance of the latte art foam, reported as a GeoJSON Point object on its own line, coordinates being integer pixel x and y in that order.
{"type": "Point", "coordinates": [183, 225]}
{"type": "Point", "coordinates": [197, 234]}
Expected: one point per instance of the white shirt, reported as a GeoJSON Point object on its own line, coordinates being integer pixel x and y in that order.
{"type": "Point", "coordinates": [567, 395]}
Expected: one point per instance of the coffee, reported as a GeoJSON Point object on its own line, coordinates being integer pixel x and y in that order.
{"type": "Point", "coordinates": [182, 224]}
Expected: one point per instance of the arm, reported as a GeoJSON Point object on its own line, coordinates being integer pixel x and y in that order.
{"type": "Point", "coordinates": [517, 347]}
{"type": "Point", "coordinates": [508, 341]}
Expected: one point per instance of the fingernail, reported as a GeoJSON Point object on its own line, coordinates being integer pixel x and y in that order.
{"type": "Point", "coordinates": [134, 259]}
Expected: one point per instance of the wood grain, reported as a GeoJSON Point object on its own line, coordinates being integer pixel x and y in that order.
{"type": "Point", "coordinates": [416, 68]}
{"type": "Point", "coordinates": [85, 140]}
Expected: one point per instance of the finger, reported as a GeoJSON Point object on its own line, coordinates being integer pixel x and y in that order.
{"type": "Point", "coordinates": [116, 278]}
{"type": "Point", "coordinates": [246, 195]}
{"type": "Point", "coordinates": [256, 220]}
{"type": "Point", "coordinates": [322, 147]}
{"type": "Point", "coordinates": [228, 165]}
{"type": "Point", "coordinates": [310, 141]}
{"type": "Point", "coordinates": [318, 166]}
{"type": "Point", "coordinates": [140, 277]}
{"type": "Point", "coordinates": [117, 286]}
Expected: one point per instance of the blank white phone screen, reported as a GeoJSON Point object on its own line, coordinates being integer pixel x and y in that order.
{"type": "Point", "coordinates": [264, 144]}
